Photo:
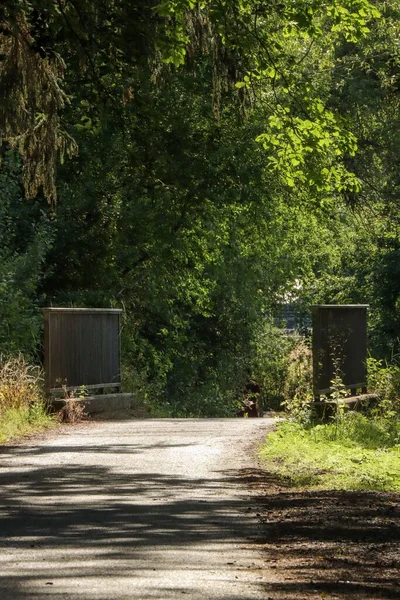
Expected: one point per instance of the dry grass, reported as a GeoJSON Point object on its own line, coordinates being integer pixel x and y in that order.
{"type": "Point", "coordinates": [20, 384]}
{"type": "Point", "coordinates": [72, 412]}
{"type": "Point", "coordinates": [23, 407]}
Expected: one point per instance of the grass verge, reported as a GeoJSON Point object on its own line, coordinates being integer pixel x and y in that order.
{"type": "Point", "coordinates": [356, 454]}
{"type": "Point", "coordinates": [17, 422]}
{"type": "Point", "coordinates": [22, 405]}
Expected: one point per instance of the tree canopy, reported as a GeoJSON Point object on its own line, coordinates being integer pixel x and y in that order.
{"type": "Point", "coordinates": [211, 161]}
{"type": "Point", "coordinates": [266, 50]}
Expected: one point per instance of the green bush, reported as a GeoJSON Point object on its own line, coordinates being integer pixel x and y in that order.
{"type": "Point", "coordinates": [271, 362]}
{"type": "Point", "coordinates": [384, 380]}
{"type": "Point", "coordinates": [26, 235]}
{"type": "Point", "coordinates": [298, 386]}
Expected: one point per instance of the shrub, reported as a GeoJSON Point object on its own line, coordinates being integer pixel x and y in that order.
{"type": "Point", "coordinates": [271, 356]}
{"type": "Point", "coordinates": [23, 408]}
{"type": "Point", "coordinates": [384, 381]}
{"type": "Point", "coordinates": [298, 387]}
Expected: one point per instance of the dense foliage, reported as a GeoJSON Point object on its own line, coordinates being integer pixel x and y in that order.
{"type": "Point", "coordinates": [222, 158]}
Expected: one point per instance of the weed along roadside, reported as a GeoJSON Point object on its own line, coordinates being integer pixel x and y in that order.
{"type": "Point", "coordinates": [23, 407]}
{"type": "Point", "coordinates": [359, 453]}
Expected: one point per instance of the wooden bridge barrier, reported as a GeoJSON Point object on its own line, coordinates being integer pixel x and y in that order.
{"type": "Point", "coordinates": [81, 348]}
{"type": "Point", "coordinates": [339, 346]}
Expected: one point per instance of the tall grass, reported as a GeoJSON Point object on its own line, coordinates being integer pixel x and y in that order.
{"type": "Point", "coordinates": [361, 457]}
{"type": "Point", "coordinates": [22, 403]}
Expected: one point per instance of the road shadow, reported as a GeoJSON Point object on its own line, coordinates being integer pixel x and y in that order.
{"type": "Point", "coordinates": [29, 450]}
{"type": "Point", "coordinates": [101, 516]}
{"type": "Point", "coordinates": [327, 544]}
{"type": "Point", "coordinates": [332, 545]}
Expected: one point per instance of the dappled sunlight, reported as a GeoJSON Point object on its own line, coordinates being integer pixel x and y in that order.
{"type": "Point", "coordinates": [341, 544]}
{"type": "Point", "coordinates": [125, 520]}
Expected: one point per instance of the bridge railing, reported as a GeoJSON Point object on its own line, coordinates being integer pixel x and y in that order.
{"type": "Point", "coordinates": [339, 346]}
{"type": "Point", "coordinates": [81, 348]}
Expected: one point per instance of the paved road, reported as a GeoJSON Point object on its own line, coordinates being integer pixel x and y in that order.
{"type": "Point", "coordinates": [131, 510]}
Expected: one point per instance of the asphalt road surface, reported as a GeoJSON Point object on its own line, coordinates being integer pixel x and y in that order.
{"type": "Point", "coordinates": [132, 510]}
